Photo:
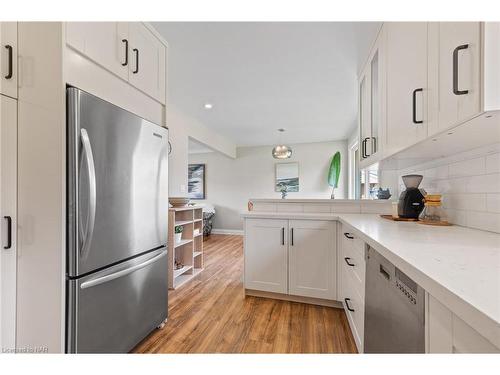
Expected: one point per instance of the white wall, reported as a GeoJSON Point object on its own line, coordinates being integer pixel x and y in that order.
{"type": "Point", "coordinates": [469, 182]}
{"type": "Point", "coordinates": [232, 182]}
{"type": "Point", "coordinates": [182, 126]}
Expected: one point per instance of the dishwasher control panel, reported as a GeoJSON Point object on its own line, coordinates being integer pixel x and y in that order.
{"type": "Point", "coordinates": [406, 285]}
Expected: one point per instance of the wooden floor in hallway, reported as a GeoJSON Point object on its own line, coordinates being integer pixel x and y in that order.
{"type": "Point", "coordinates": [210, 314]}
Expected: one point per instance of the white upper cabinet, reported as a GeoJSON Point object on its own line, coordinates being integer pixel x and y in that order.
{"type": "Point", "coordinates": [8, 59]}
{"type": "Point", "coordinates": [129, 50]}
{"type": "Point", "coordinates": [147, 68]}
{"type": "Point", "coordinates": [105, 43]}
{"type": "Point", "coordinates": [312, 259]}
{"type": "Point", "coordinates": [266, 255]}
{"type": "Point", "coordinates": [454, 73]}
{"type": "Point", "coordinates": [372, 104]}
{"type": "Point", "coordinates": [406, 84]}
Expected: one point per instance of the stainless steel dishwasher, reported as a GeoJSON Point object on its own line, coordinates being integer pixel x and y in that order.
{"type": "Point", "coordinates": [394, 309]}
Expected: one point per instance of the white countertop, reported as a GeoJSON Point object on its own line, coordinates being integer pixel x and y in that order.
{"type": "Point", "coordinates": [458, 266]}
{"type": "Point", "coordinates": [305, 200]}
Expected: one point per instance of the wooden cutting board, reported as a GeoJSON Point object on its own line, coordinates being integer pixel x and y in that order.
{"type": "Point", "coordinates": [389, 217]}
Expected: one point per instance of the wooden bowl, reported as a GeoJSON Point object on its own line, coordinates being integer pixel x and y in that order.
{"type": "Point", "coordinates": [178, 201]}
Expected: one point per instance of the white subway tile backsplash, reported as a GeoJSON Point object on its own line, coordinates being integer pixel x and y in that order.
{"type": "Point", "coordinates": [484, 221]}
{"type": "Point", "coordinates": [472, 167]}
{"type": "Point", "coordinates": [265, 207]}
{"type": "Point", "coordinates": [384, 208]}
{"type": "Point", "coordinates": [346, 208]}
{"type": "Point", "coordinates": [487, 183]}
{"type": "Point", "coordinates": [493, 163]}
{"type": "Point", "coordinates": [289, 207]}
{"type": "Point", "coordinates": [317, 207]}
{"type": "Point", "coordinates": [493, 203]}
{"type": "Point", "coordinates": [437, 173]}
{"type": "Point", "coordinates": [469, 183]}
{"type": "Point", "coordinates": [472, 202]}
{"type": "Point", "coordinates": [457, 217]}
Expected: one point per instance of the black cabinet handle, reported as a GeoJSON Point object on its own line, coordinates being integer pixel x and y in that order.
{"type": "Point", "coordinates": [9, 74]}
{"type": "Point", "coordinates": [346, 300]}
{"type": "Point", "coordinates": [347, 259]}
{"type": "Point", "coordinates": [374, 143]}
{"type": "Point", "coordinates": [348, 235]}
{"type": "Point", "coordinates": [456, 91]}
{"type": "Point", "coordinates": [9, 232]}
{"type": "Point", "coordinates": [415, 121]}
{"type": "Point", "coordinates": [283, 236]}
{"type": "Point", "coordinates": [365, 153]}
{"type": "Point", "coordinates": [169, 147]}
{"type": "Point", "coordinates": [136, 61]}
{"type": "Point", "coordinates": [363, 149]}
{"type": "Point", "coordinates": [291, 236]}
{"type": "Point", "coordinates": [125, 63]}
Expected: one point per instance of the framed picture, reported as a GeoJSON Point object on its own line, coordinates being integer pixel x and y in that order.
{"type": "Point", "coordinates": [196, 181]}
{"type": "Point", "coordinates": [287, 177]}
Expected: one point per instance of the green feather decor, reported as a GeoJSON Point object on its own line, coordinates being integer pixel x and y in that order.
{"type": "Point", "coordinates": [334, 172]}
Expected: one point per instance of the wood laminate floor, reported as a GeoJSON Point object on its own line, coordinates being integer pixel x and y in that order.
{"type": "Point", "coordinates": [210, 314]}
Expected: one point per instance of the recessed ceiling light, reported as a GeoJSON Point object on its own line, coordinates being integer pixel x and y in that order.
{"type": "Point", "coordinates": [208, 106]}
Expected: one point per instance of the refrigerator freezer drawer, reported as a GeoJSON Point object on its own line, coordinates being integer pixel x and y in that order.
{"type": "Point", "coordinates": [110, 311]}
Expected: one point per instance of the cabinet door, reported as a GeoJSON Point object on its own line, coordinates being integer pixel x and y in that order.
{"type": "Point", "coordinates": [266, 255]}
{"type": "Point", "coordinates": [364, 114]}
{"type": "Point", "coordinates": [147, 70]}
{"type": "Point", "coordinates": [454, 68]}
{"type": "Point", "coordinates": [406, 84]}
{"type": "Point", "coordinates": [8, 223]}
{"type": "Point", "coordinates": [372, 103]}
{"type": "Point", "coordinates": [312, 259]}
{"type": "Point", "coordinates": [103, 42]}
{"type": "Point", "coordinates": [8, 59]}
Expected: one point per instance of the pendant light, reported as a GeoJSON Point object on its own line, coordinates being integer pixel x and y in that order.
{"type": "Point", "coordinates": [282, 151]}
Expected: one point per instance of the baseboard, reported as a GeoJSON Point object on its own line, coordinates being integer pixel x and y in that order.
{"type": "Point", "coordinates": [287, 297]}
{"type": "Point", "coordinates": [228, 231]}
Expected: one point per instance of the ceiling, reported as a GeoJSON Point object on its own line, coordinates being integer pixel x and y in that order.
{"type": "Point", "coordinates": [195, 147]}
{"type": "Point", "coordinates": [262, 76]}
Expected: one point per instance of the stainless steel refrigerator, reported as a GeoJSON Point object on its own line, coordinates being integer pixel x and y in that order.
{"type": "Point", "coordinates": [117, 212]}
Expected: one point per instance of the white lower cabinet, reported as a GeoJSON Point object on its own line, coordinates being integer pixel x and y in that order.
{"type": "Point", "coordinates": [447, 333]}
{"type": "Point", "coordinates": [266, 255]}
{"type": "Point", "coordinates": [295, 257]}
{"type": "Point", "coordinates": [352, 282]}
{"type": "Point", "coordinates": [311, 260]}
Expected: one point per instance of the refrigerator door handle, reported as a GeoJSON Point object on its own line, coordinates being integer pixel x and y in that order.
{"type": "Point", "coordinates": [115, 275]}
{"type": "Point", "coordinates": [89, 227]}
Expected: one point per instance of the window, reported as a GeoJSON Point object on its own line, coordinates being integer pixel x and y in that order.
{"type": "Point", "coordinates": [354, 170]}
{"type": "Point", "coordinates": [369, 182]}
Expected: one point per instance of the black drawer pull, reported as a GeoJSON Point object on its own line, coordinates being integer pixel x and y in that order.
{"type": "Point", "coordinates": [348, 235]}
{"type": "Point", "coordinates": [9, 232]}
{"type": "Point", "coordinates": [346, 300]}
{"type": "Point", "coordinates": [347, 259]}
{"type": "Point", "coordinates": [9, 74]}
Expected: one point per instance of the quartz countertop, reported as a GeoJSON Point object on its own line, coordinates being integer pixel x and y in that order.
{"type": "Point", "coordinates": [458, 266]}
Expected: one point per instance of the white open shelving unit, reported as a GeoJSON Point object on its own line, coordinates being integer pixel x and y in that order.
{"type": "Point", "coordinates": [189, 251]}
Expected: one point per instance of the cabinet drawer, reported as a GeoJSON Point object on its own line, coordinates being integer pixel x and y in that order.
{"type": "Point", "coordinates": [350, 239]}
{"type": "Point", "coordinates": [355, 309]}
{"type": "Point", "coordinates": [353, 267]}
